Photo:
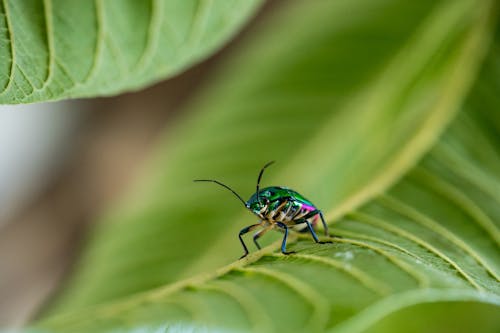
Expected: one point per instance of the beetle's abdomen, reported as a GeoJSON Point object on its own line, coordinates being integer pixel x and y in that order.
{"type": "Point", "coordinates": [288, 211]}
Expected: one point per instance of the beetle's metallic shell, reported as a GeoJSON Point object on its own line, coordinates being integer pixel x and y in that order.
{"type": "Point", "coordinates": [281, 204]}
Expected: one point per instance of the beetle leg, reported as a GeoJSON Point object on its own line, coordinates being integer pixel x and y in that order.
{"type": "Point", "coordinates": [320, 213]}
{"type": "Point", "coordinates": [309, 226]}
{"type": "Point", "coordinates": [325, 226]}
{"type": "Point", "coordinates": [311, 230]}
{"type": "Point", "coordinates": [283, 244]}
{"type": "Point", "coordinates": [244, 231]}
{"type": "Point", "coordinates": [259, 234]}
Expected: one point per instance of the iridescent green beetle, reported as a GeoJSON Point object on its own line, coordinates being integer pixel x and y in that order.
{"type": "Point", "coordinates": [280, 207]}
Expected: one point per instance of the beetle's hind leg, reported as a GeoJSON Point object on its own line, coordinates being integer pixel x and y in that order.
{"type": "Point", "coordinates": [306, 218]}
{"type": "Point", "coordinates": [313, 233]}
{"type": "Point", "coordinates": [325, 226]}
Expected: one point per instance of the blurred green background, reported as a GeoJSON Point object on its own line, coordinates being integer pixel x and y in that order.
{"type": "Point", "coordinates": [384, 113]}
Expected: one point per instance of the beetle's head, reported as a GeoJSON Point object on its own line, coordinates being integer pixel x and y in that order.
{"type": "Point", "coordinates": [258, 204]}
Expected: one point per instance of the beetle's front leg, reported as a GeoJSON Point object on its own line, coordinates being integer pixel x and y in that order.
{"type": "Point", "coordinates": [244, 231]}
{"type": "Point", "coordinates": [259, 234]}
{"type": "Point", "coordinates": [283, 244]}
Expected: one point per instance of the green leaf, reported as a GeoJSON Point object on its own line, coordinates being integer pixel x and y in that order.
{"type": "Point", "coordinates": [56, 49]}
{"type": "Point", "coordinates": [440, 317]}
{"type": "Point", "coordinates": [417, 209]}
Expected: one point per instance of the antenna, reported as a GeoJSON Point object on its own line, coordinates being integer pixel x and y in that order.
{"type": "Point", "coordinates": [230, 189]}
{"type": "Point", "coordinates": [260, 176]}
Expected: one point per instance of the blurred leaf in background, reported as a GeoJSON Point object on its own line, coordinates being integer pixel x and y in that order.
{"type": "Point", "coordinates": [60, 49]}
{"type": "Point", "coordinates": [379, 111]}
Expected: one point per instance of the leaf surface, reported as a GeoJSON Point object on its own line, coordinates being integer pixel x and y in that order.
{"type": "Point", "coordinates": [415, 231]}
{"type": "Point", "coordinates": [56, 49]}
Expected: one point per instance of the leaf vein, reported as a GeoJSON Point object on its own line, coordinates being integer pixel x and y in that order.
{"type": "Point", "coordinates": [421, 279]}
{"type": "Point", "coordinates": [155, 21]}
{"type": "Point", "coordinates": [256, 316]}
{"type": "Point", "coordinates": [463, 202]}
{"type": "Point", "coordinates": [365, 279]}
{"type": "Point", "coordinates": [320, 305]}
{"type": "Point", "coordinates": [444, 154]}
{"type": "Point", "coordinates": [424, 220]}
{"type": "Point", "coordinates": [47, 12]}
{"type": "Point", "coordinates": [12, 47]}
{"type": "Point", "coordinates": [99, 43]}
{"type": "Point", "coordinates": [349, 233]}
{"type": "Point", "coordinates": [400, 232]}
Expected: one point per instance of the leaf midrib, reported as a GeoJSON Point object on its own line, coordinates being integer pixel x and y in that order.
{"type": "Point", "coordinates": [473, 51]}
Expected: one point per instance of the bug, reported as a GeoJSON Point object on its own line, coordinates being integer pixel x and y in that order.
{"type": "Point", "coordinates": [277, 207]}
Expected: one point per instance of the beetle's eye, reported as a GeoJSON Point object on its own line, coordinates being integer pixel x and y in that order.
{"type": "Point", "coordinates": [265, 201]}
